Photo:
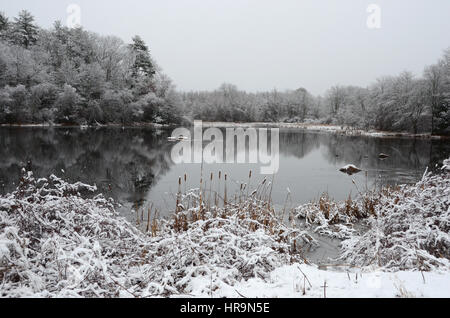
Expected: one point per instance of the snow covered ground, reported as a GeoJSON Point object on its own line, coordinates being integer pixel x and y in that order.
{"type": "Point", "coordinates": [301, 280]}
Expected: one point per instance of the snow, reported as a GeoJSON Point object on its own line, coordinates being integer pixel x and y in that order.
{"type": "Point", "coordinates": [348, 167]}
{"type": "Point", "coordinates": [55, 242]}
{"type": "Point", "coordinates": [301, 280]}
{"type": "Point", "coordinates": [446, 165]}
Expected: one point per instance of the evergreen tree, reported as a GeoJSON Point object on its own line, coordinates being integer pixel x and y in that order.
{"type": "Point", "coordinates": [25, 31]}
{"type": "Point", "coordinates": [4, 26]}
{"type": "Point", "coordinates": [143, 64]}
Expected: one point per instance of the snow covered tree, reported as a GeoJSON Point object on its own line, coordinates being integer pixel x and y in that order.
{"type": "Point", "coordinates": [24, 30]}
{"type": "Point", "coordinates": [434, 79]}
{"type": "Point", "coordinates": [91, 81]}
{"type": "Point", "coordinates": [16, 104]}
{"type": "Point", "coordinates": [418, 112]}
{"type": "Point", "coordinates": [298, 104]}
{"type": "Point", "coordinates": [437, 79]}
{"type": "Point", "coordinates": [143, 64]}
{"type": "Point", "coordinates": [4, 26]}
{"type": "Point", "coordinates": [380, 103]}
{"type": "Point", "coordinates": [68, 105]}
{"type": "Point", "coordinates": [336, 98]}
{"type": "Point", "coordinates": [110, 54]}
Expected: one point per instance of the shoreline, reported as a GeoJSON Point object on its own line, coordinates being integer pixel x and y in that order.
{"type": "Point", "coordinates": [334, 129]}
{"type": "Point", "coordinates": [134, 125]}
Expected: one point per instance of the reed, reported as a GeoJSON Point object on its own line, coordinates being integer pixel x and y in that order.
{"type": "Point", "coordinates": [210, 189]}
{"type": "Point", "coordinates": [225, 197]}
{"type": "Point", "coordinates": [148, 220]}
{"type": "Point", "coordinates": [251, 209]}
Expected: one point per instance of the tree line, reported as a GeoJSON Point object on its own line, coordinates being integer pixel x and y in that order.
{"type": "Point", "coordinates": [72, 76]}
{"type": "Point", "coordinates": [392, 103]}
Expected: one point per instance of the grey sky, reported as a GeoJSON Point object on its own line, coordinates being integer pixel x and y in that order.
{"type": "Point", "coordinates": [260, 45]}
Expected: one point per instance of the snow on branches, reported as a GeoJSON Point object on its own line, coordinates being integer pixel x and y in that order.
{"type": "Point", "coordinates": [55, 242]}
{"type": "Point", "coordinates": [406, 227]}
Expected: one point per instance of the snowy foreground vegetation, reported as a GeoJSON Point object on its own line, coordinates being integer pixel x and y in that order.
{"type": "Point", "coordinates": [61, 240]}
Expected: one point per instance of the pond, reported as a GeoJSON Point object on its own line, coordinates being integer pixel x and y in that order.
{"type": "Point", "coordinates": [134, 166]}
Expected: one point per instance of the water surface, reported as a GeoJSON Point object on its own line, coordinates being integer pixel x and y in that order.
{"type": "Point", "coordinates": [133, 165]}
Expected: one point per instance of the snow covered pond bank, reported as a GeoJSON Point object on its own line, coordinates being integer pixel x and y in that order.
{"type": "Point", "coordinates": [337, 129]}
{"type": "Point", "coordinates": [55, 243]}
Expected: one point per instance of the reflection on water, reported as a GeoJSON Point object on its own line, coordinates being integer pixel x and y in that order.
{"type": "Point", "coordinates": [134, 165]}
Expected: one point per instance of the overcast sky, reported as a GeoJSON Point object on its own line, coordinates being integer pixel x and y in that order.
{"type": "Point", "coordinates": [260, 45]}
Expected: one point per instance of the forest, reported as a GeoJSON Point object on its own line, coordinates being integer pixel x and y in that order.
{"type": "Point", "coordinates": [73, 76]}
{"type": "Point", "coordinates": [400, 103]}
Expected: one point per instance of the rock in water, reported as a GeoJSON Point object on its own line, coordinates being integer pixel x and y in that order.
{"type": "Point", "coordinates": [383, 156]}
{"type": "Point", "coordinates": [350, 169]}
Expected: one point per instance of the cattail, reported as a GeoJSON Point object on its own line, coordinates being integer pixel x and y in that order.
{"type": "Point", "coordinates": [148, 220]}
{"type": "Point", "coordinates": [225, 194]}
{"type": "Point", "coordinates": [210, 189]}
{"type": "Point", "coordinates": [155, 223]}
{"type": "Point", "coordinates": [177, 209]}
{"type": "Point", "coordinates": [137, 212]}
{"type": "Point", "coordinates": [249, 178]}
{"type": "Point", "coordinates": [218, 190]}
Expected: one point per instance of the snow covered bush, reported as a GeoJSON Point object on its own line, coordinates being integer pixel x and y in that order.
{"type": "Point", "coordinates": [410, 230]}
{"type": "Point", "coordinates": [336, 219]}
{"type": "Point", "coordinates": [406, 227]}
{"type": "Point", "coordinates": [55, 243]}
{"type": "Point", "coordinates": [60, 240]}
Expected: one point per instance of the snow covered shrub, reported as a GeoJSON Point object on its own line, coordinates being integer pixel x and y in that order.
{"type": "Point", "coordinates": [406, 227]}
{"type": "Point", "coordinates": [411, 229]}
{"type": "Point", "coordinates": [57, 242]}
{"type": "Point", "coordinates": [337, 219]}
